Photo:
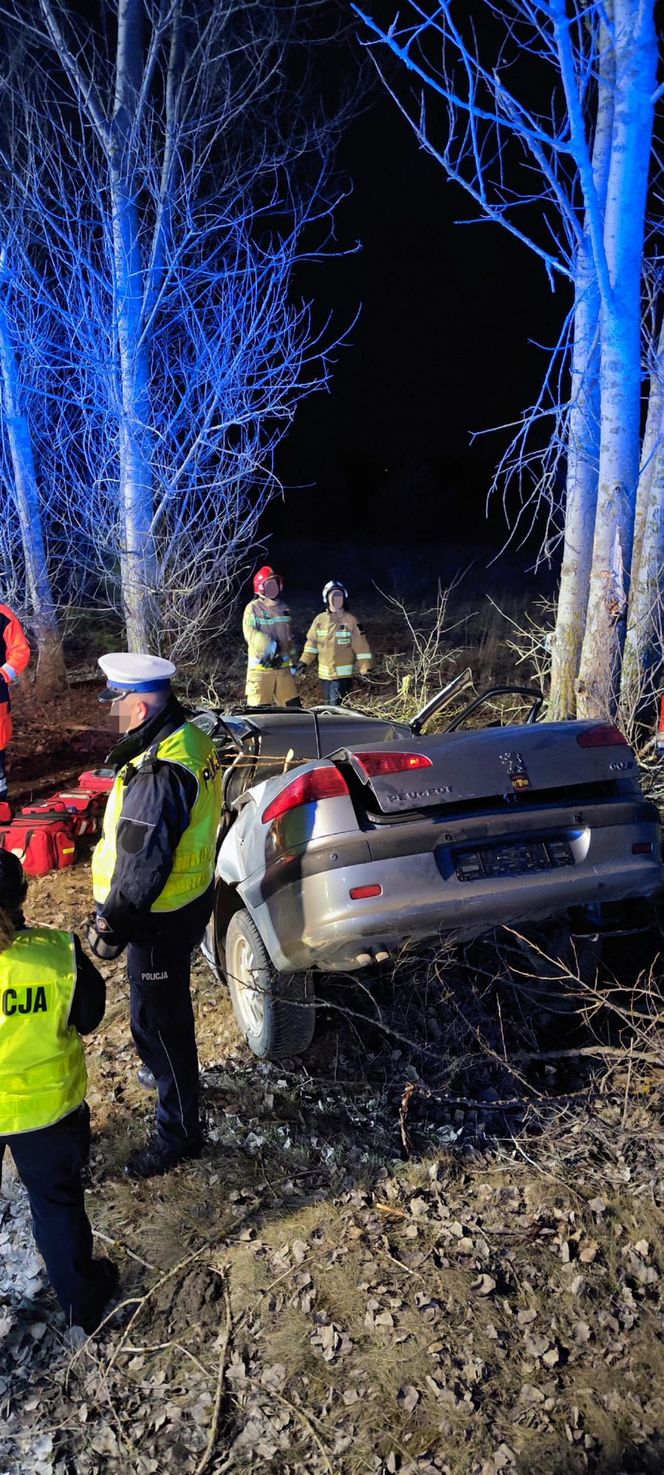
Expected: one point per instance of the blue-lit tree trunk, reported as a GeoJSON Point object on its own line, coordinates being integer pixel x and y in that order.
{"type": "Point", "coordinates": [118, 138]}
{"type": "Point", "coordinates": [620, 284]}
{"type": "Point", "coordinates": [583, 430]}
{"type": "Point", "coordinates": [138, 559]}
{"type": "Point", "coordinates": [580, 495]}
{"type": "Point", "coordinates": [39, 599]}
{"type": "Point", "coordinates": [644, 642]}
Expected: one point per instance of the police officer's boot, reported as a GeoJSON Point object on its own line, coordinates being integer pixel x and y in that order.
{"type": "Point", "coordinates": [159, 1157]}
{"type": "Point", "coordinates": [145, 1077]}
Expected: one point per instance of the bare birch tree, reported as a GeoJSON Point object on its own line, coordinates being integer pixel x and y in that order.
{"type": "Point", "coordinates": [566, 174]}
{"type": "Point", "coordinates": [24, 568]}
{"type": "Point", "coordinates": [171, 173]}
{"type": "Point", "coordinates": [642, 670]}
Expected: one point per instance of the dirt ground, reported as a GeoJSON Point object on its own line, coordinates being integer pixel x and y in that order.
{"type": "Point", "coordinates": [307, 1297]}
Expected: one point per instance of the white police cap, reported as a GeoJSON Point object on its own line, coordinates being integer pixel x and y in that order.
{"type": "Point", "coordinates": [128, 672]}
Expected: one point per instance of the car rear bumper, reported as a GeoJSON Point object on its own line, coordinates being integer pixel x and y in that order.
{"type": "Point", "coordinates": [308, 919]}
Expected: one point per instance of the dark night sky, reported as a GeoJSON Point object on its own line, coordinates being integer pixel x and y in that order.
{"type": "Point", "coordinates": [441, 348]}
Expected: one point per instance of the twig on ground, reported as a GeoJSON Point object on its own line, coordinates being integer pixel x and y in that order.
{"type": "Point", "coordinates": [223, 1353]}
{"type": "Point", "coordinates": [628, 1083]}
{"type": "Point", "coordinates": [611, 1052]}
{"type": "Point", "coordinates": [168, 1275]}
{"type": "Point", "coordinates": [401, 1264]}
{"type": "Point", "coordinates": [306, 1421]}
{"type": "Point", "coordinates": [118, 1244]}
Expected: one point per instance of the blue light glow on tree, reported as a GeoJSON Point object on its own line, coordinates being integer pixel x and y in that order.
{"type": "Point", "coordinates": [175, 166]}
{"type": "Point", "coordinates": [543, 113]}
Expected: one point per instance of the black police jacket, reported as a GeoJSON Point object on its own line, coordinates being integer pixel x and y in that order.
{"type": "Point", "coordinates": [156, 809]}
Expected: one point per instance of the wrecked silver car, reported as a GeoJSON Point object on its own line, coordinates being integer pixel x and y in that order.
{"type": "Point", "coordinates": [346, 837]}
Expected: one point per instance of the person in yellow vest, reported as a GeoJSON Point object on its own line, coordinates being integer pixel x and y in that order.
{"type": "Point", "coordinates": [339, 642]}
{"type": "Point", "coordinates": [50, 993]}
{"type": "Point", "coordinates": [266, 626]}
{"type": "Point", "coordinates": [152, 881]}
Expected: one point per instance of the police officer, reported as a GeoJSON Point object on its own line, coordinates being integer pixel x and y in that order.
{"type": "Point", "coordinates": [152, 878]}
{"type": "Point", "coordinates": [49, 994]}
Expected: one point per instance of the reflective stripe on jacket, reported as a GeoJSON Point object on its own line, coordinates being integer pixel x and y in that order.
{"type": "Point", "coordinates": [339, 642]}
{"type": "Point", "coordinates": [42, 1065]}
{"type": "Point", "coordinates": [194, 855]}
{"type": "Point", "coordinates": [263, 621]}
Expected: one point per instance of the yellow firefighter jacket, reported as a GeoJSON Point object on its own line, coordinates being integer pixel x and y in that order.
{"type": "Point", "coordinates": [338, 641]}
{"type": "Point", "coordinates": [42, 1065]}
{"type": "Point", "coordinates": [265, 620]}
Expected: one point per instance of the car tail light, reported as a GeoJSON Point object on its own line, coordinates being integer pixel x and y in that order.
{"type": "Point", "coordinates": [318, 783]}
{"type": "Point", "coordinates": [602, 736]}
{"type": "Point", "coordinates": [642, 847]}
{"type": "Point", "coordinates": [375, 764]}
{"type": "Point", "coordinates": [359, 893]}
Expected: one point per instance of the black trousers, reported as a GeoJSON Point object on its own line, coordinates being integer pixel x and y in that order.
{"type": "Point", "coordinates": [3, 775]}
{"type": "Point", "coordinates": [49, 1163]}
{"type": "Point", "coordinates": [335, 691]}
{"type": "Point", "coordinates": [162, 1025]}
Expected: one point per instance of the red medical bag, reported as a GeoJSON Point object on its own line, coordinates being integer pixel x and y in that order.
{"type": "Point", "coordinates": [45, 808]}
{"type": "Point", "coordinates": [97, 780]}
{"type": "Point", "coordinates": [85, 809]}
{"type": "Point", "coordinates": [42, 842]}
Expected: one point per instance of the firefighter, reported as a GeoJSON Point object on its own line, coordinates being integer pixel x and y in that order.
{"type": "Point", "coordinates": [152, 878]}
{"type": "Point", "coordinates": [266, 627]}
{"type": "Point", "coordinates": [339, 642]}
{"type": "Point", "coordinates": [14, 657]}
{"type": "Point", "coordinates": [50, 994]}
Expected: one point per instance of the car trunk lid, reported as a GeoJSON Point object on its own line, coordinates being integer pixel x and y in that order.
{"type": "Point", "coordinates": [519, 764]}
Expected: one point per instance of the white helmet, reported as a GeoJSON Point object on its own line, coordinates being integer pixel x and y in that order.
{"type": "Point", "coordinates": [331, 585]}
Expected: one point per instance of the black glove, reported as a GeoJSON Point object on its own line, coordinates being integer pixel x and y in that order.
{"type": "Point", "coordinates": [301, 669]}
{"type": "Point", "coordinates": [102, 941]}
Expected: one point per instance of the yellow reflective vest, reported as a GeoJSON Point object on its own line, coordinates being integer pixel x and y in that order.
{"type": "Point", "coordinates": [194, 856]}
{"type": "Point", "coordinates": [338, 641]}
{"type": "Point", "coordinates": [42, 1065]}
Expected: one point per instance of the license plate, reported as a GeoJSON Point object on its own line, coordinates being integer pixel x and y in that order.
{"type": "Point", "coordinates": [513, 858]}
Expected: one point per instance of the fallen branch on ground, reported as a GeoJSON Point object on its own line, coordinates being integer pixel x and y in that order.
{"type": "Point", "coordinates": [223, 1353]}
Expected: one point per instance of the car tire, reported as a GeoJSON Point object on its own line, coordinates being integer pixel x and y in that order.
{"type": "Point", "coordinates": [276, 1012]}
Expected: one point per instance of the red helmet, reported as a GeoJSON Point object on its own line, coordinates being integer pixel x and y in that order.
{"type": "Point", "coordinates": [261, 578]}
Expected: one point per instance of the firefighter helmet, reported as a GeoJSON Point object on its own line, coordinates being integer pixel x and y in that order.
{"type": "Point", "coordinates": [331, 585]}
{"type": "Point", "coordinates": [261, 578]}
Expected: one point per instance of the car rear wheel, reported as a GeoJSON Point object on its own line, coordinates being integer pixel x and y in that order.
{"type": "Point", "coordinates": [275, 1011]}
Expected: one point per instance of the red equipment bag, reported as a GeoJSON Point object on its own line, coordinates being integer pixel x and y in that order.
{"type": "Point", "coordinates": [42, 842]}
{"type": "Point", "coordinates": [97, 780]}
{"type": "Point", "coordinates": [85, 810]}
{"type": "Point", "coordinates": [6, 812]}
{"type": "Point", "coordinates": [46, 808]}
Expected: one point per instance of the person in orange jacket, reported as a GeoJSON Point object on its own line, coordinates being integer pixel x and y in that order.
{"type": "Point", "coordinates": [14, 657]}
